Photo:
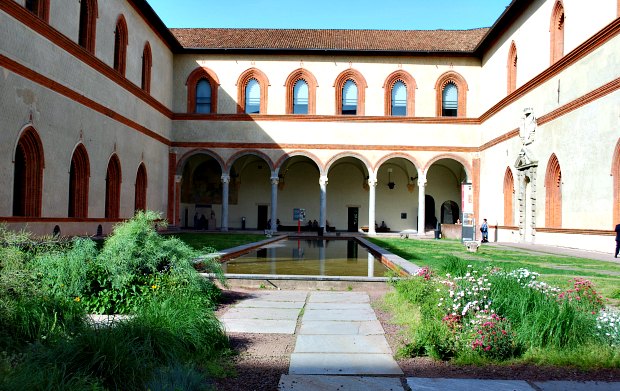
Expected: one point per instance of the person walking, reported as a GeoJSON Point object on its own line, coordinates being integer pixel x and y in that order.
{"type": "Point", "coordinates": [484, 228]}
{"type": "Point", "coordinates": [617, 240]}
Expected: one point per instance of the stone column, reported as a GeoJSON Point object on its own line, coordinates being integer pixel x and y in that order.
{"type": "Point", "coordinates": [177, 200]}
{"type": "Point", "coordinates": [323, 210]}
{"type": "Point", "coordinates": [225, 190]}
{"type": "Point", "coordinates": [421, 203]}
{"type": "Point", "coordinates": [372, 184]}
{"type": "Point", "coordinates": [274, 203]}
{"type": "Point", "coordinates": [371, 265]}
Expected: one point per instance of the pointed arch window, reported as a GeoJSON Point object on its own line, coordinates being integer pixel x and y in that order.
{"type": "Point", "coordinates": [300, 97]}
{"type": "Point", "coordinates": [120, 45]}
{"type": "Point", "coordinates": [28, 175]}
{"type": "Point", "coordinates": [553, 198]}
{"type": "Point", "coordinates": [40, 8]}
{"type": "Point", "coordinates": [350, 89]}
{"type": "Point", "coordinates": [451, 91]}
{"type": "Point", "coordinates": [300, 92]}
{"type": "Point", "coordinates": [79, 174]}
{"type": "Point", "coordinates": [557, 32]}
{"type": "Point", "coordinates": [147, 64]}
{"type": "Point", "coordinates": [141, 184]}
{"type": "Point", "coordinates": [509, 186]}
{"type": "Point", "coordinates": [512, 68]}
{"type": "Point", "coordinates": [252, 92]}
{"type": "Point", "coordinates": [113, 180]}
{"type": "Point", "coordinates": [202, 86]}
{"type": "Point", "coordinates": [88, 24]}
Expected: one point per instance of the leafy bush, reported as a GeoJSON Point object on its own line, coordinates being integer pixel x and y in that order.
{"type": "Point", "coordinates": [494, 338]}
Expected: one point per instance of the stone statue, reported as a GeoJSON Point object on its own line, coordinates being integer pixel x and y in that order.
{"type": "Point", "coordinates": [528, 126]}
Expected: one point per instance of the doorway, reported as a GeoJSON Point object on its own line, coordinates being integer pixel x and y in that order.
{"type": "Point", "coordinates": [262, 217]}
{"type": "Point", "coordinates": [353, 216]}
{"type": "Point", "coordinates": [429, 213]}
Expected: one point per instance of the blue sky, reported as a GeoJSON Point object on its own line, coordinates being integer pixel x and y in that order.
{"type": "Point", "coordinates": [330, 14]}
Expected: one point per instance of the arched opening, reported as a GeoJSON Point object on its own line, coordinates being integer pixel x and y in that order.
{"type": "Point", "coordinates": [28, 175]}
{"type": "Point", "coordinates": [252, 92]}
{"type": "Point", "coordinates": [443, 183]}
{"type": "Point", "coordinates": [79, 175]}
{"type": "Point", "coordinates": [399, 94]}
{"type": "Point", "coordinates": [557, 32]}
{"type": "Point", "coordinates": [147, 63]}
{"type": "Point", "coordinates": [553, 199]}
{"type": "Point", "coordinates": [201, 192]}
{"type": "Point", "coordinates": [88, 24]}
{"type": "Point", "coordinates": [251, 174]}
{"type": "Point", "coordinates": [615, 172]}
{"type": "Point", "coordinates": [450, 212]}
{"type": "Point", "coordinates": [347, 194]}
{"type": "Point", "coordinates": [141, 185]}
{"type": "Point", "coordinates": [396, 195]}
{"type": "Point", "coordinates": [298, 187]}
{"type": "Point", "coordinates": [301, 92]}
{"type": "Point", "coordinates": [512, 68]}
{"type": "Point", "coordinates": [121, 39]}
{"type": "Point", "coordinates": [113, 189]}
{"type": "Point", "coordinates": [451, 95]}
{"type": "Point", "coordinates": [40, 8]}
{"type": "Point", "coordinates": [350, 87]}
{"type": "Point", "coordinates": [509, 191]}
{"type": "Point", "coordinates": [202, 91]}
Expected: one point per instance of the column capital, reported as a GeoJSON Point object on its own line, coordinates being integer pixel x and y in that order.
{"type": "Point", "coordinates": [372, 182]}
{"type": "Point", "coordinates": [178, 178]}
{"type": "Point", "coordinates": [323, 180]}
{"type": "Point", "coordinates": [225, 178]}
{"type": "Point", "coordinates": [421, 180]}
{"type": "Point", "coordinates": [275, 180]}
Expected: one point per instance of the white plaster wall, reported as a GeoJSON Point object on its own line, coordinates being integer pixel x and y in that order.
{"type": "Point", "coordinates": [600, 243]}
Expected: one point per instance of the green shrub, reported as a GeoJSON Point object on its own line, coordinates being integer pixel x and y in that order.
{"type": "Point", "coordinates": [454, 266]}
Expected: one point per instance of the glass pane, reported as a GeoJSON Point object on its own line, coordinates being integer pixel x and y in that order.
{"type": "Point", "coordinates": [252, 97]}
{"type": "Point", "coordinates": [300, 97]}
{"type": "Point", "coordinates": [349, 98]}
{"type": "Point", "coordinates": [399, 99]}
{"type": "Point", "coordinates": [450, 99]}
{"type": "Point", "coordinates": [203, 97]}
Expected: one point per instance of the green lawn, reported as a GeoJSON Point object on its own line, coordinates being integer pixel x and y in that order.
{"type": "Point", "coordinates": [554, 269]}
{"type": "Point", "coordinates": [218, 241]}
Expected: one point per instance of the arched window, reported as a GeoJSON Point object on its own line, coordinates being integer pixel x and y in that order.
{"type": "Point", "coordinates": [113, 180]}
{"type": "Point", "coordinates": [509, 189]}
{"type": "Point", "coordinates": [557, 32]}
{"type": "Point", "coordinates": [79, 174]}
{"type": "Point", "coordinates": [28, 175]}
{"type": "Point", "coordinates": [512, 68]}
{"type": "Point", "coordinates": [615, 173]}
{"type": "Point", "coordinates": [399, 94]}
{"type": "Point", "coordinates": [88, 24]}
{"type": "Point", "coordinates": [350, 87]}
{"type": "Point", "coordinates": [300, 92]}
{"type": "Point", "coordinates": [40, 8]}
{"type": "Point", "coordinates": [252, 92]}
{"type": "Point", "coordinates": [120, 45]}
{"type": "Point", "coordinates": [202, 86]}
{"type": "Point", "coordinates": [451, 91]}
{"type": "Point", "coordinates": [553, 200]}
{"type": "Point", "coordinates": [141, 184]}
{"type": "Point", "coordinates": [147, 63]}
{"type": "Point", "coordinates": [300, 97]}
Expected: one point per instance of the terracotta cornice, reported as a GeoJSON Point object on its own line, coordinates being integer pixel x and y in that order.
{"type": "Point", "coordinates": [323, 118]}
{"type": "Point", "coordinates": [67, 92]}
{"type": "Point", "coordinates": [236, 145]}
{"type": "Point", "coordinates": [576, 231]}
{"type": "Point", "coordinates": [18, 12]}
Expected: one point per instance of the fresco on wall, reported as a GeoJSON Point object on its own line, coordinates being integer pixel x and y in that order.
{"type": "Point", "coordinates": [202, 184]}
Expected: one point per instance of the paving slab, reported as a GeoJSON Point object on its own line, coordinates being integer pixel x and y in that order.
{"type": "Point", "coordinates": [339, 297]}
{"type": "Point", "coordinates": [259, 303]}
{"type": "Point", "coordinates": [330, 327]}
{"type": "Point", "coordinates": [260, 326]}
{"type": "Point", "coordinates": [340, 383]}
{"type": "Point", "coordinates": [337, 306]}
{"type": "Point", "coordinates": [363, 344]}
{"type": "Point", "coordinates": [261, 313]}
{"type": "Point", "coordinates": [559, 385]}
{"type": "Point", "coordinates": [352, 315]}
{"type": "Point", "coordinates": [343, 364]}
{"type": "Point", "coordinates": [281, 295]}
{"type": "Point", "coordinates": [429, 384]}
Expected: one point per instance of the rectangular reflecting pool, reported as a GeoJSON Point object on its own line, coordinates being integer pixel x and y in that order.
{"type": "Point", "coordinates": [309, 257]}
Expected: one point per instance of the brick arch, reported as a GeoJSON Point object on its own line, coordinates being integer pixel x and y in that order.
{"type": "Point", "coordinates": [409, 158]}
{"type": "Point", "coordinates": [113, 180]}
{"type": "Point", "coordinates": [410, 83]}
{"type": "Point", "coordinates": [28, 174]}
{"type": "Point", "coordinates": [466, 165]}
{"type": "Point", "coordinates": [511, 67]}
{"type": "Point", "coordinates": [615, 172]}
{"type": "Point", "coordinates": [79, 176]}
{"type": "Point", "coordinates": [341, 155]}
{"type": "Point", "coordinates": [41, 8]}
{"type": "Point", "coordinates": [183, 160]}
{"type": "Point", "coordinates": [121, 39]}
{"type": "Point", "coordinates": [147, 64]}
{"type": "Point", "coordinates": [461, 85]}
{"type": "Point", "coordinates": [556, 30]}
{"type": "Point", "coordinates": [231, 161]}
{"type": "Point", "coordinates": [288, 155]}
{"type": "Point", "coordinates": [291, 80]}
{"type": "Point", "coordinates": [509, 190]}
{"type": "Point", "coordinates": [553, 196]}
{"type": "Point", "coordinates": [192, 82]}
{"type": "Point", "coordinates": [141, 185]}
{"type": "Point", "coordinates": [242, 82]}
{"type": "Point", "coordinates": [88, 24]}
{"type": "Point", "coordinates": [360, 82]}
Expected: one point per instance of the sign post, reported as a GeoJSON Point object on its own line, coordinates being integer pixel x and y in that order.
{"type": "Point", "coordinates": [299, 214]}
{"type": "Point", "coordinates": [468, 230]}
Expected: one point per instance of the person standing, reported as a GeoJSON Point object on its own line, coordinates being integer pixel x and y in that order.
{"type": "Point", "coordinates": [617, 240]}
{"type": "Point", "coordinates": [484, 228]}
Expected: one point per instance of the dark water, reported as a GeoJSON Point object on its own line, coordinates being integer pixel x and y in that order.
{"type": "Point", "coordinates": [309, 257]}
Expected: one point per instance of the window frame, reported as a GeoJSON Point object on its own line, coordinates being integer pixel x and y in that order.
{"type": "Point", "coordinates": [461, 85]}
{"type": "Point", "coordinates": [31, 182]}
{"type": "Point", "coordinates": [41, 11]}
{"type": "Point", "coordinates": [410, 84]}
{"type": "Point", "coordinates": [291, 80]}
{"type": "Point", "coordinates": [79, 183]}
{"type": "Point", "coordinates": [556, 30]}
{"type": "Point", "coordinates": [88, 24]}
{"type": "Point", "coordinates": [553, 193]}
{"type": "Point", "coordinates": [244, 79]}
{"type": "Point", "coordinates": [360, 82]}
{"type": "Point", "coordinates": [113, 185]}
{"type": "Point", "coordinates": [140, 188]}
{"type": "Point", "coordinates": [194, 77]}
{"type": "Point", "coordinates": [121, 41]}
{"type": "Point", "coordinates": [512, 68]}
{"type": "Point", "coordinates": [147, 65]}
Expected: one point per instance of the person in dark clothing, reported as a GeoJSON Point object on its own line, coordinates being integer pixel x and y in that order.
{"type": "Point", "coordinates": [485, 231]}
{"type": "Point", "coordinates": [617, 240]}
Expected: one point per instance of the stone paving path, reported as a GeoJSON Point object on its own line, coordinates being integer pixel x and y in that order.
{"type": "Point", "coordinates": [341, 345]}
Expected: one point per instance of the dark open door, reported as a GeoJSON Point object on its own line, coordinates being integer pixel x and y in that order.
{"type": "Point", "coordinates": [262, 217]}
{"type": "Point", "coordinates": [353, 219]}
